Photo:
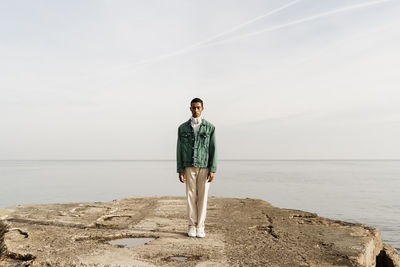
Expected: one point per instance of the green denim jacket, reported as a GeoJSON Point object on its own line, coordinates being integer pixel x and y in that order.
{"type": "Point", "coordinates": [199, 150]}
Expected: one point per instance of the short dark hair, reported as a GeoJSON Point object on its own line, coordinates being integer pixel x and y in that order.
{"type": "Point", "coordinates": [196, 100]}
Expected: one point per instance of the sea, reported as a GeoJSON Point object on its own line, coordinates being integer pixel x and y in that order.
{"type": "Point", "coordinates": [361, 191]}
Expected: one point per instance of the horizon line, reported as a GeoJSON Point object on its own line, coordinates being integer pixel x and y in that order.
{"type": "Point", "coordinates": [312, 159]}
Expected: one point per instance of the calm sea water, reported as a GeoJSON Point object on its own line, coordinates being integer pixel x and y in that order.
{"type": "Point", "coordinates": [351, 190]}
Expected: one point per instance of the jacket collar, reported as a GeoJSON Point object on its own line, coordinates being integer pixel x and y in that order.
{"type": "Point", "coordinates": [203, 122]}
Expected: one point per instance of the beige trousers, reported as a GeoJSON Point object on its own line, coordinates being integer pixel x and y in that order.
{"type": "Point", "coordinates": [196, 194]}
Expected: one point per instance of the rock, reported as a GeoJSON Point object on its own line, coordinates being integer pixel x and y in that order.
{"type": "Point", "coordinates": [3, 230]}
{"type": "Point", "coordinates": [388, 256]}
{"type": "Point", "coordinates": [240, 232]}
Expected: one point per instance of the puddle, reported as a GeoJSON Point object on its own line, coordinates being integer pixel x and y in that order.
{"type": "Point", "coordinates": [181, 258]}
{"type": "Point", "coordinates": [131, 241]}
{"type": "Point", "coordinates": [178, 258]}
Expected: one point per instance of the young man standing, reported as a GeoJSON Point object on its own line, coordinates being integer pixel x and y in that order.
{"type": "Point", "coordinates": [196, 157]}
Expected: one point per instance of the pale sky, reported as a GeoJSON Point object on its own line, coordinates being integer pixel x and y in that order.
{"type": "Point", "coordinates": [305, 79]}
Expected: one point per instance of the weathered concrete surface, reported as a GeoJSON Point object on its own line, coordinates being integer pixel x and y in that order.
{"type": "Point", "coordinates": [240, 232]}
{"type": "Point", "coordinates": [3, 230]}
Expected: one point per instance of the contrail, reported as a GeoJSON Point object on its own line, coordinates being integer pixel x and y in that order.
{"type": "Point", "coordinates": [274, 28]}
{"type": "Point", "coordinates": [206, 43]}
{"type": "Point", "coordinates": [339, 43]}
{"type": "Point", "coordinates": [247, 23]}
{"type": "Point", "coordinates": [212, 38]}
{"type": "Point", "coordinates": [133, 67]}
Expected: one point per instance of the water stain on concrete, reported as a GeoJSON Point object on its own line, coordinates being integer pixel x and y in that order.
{"type": "Point", "coordinates": [178, 258]}
{"type": "Point", "coordinates": [131, 241]}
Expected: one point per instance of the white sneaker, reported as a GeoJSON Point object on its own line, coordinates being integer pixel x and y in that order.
{"type": "Point", "coordinates": [200, 232]}
{"type": "Point", "coordinates": [192, 231]}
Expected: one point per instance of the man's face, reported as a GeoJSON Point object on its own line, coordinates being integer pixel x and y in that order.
{"type": "Point", "coordinates": [196, 108]}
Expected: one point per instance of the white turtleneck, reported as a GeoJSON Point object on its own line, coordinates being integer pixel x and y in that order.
{"type": "Point", "coordinates": [195, 122]}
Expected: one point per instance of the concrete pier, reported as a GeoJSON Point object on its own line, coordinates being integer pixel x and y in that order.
{"type": "Point", "coordinates": [239, 232]}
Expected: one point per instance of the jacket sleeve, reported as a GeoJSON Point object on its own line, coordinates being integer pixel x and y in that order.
{"type": "Point", "coordinates": [212, 158]}
{"type": "Point", "coordinates": [179, 163]}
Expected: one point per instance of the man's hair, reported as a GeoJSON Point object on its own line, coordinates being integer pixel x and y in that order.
{"type": "Point", "coordinates": [196, 100]}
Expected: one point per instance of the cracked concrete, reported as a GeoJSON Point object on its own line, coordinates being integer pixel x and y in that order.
{"type": "Point", "coordinates": [240, 232]}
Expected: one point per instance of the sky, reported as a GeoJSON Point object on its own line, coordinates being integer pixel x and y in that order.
{"type": "Point", "coordinates": [302, 79]}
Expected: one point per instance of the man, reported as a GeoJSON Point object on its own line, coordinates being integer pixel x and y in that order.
{"type": "Point", "coordinates": [196, 164]}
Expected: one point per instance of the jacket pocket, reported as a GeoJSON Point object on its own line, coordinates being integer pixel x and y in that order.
{"type": "Point", "coordinates": [204, 139]}
{"type": "Point", "coordinates": [186, 137]}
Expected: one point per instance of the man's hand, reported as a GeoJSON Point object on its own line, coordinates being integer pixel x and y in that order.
{"type": "Point", "coordinates": [210, 176]}
{"type": "Point", "coordinates": [182, 177]}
